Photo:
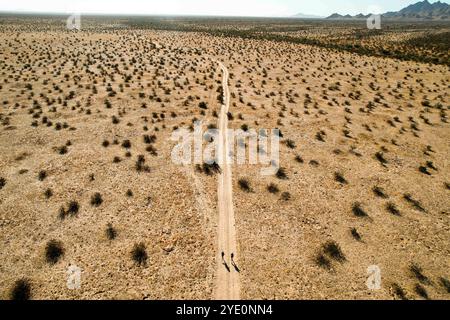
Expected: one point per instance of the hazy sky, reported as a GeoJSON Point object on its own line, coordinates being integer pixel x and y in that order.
{"type": "Point", "coordinates": [209, 7]}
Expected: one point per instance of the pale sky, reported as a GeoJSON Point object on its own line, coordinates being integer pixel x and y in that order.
{"type": "Point", "coordinates": [262, 8]}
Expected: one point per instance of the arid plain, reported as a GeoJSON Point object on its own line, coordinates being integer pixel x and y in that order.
{"type": "Point", "coordinates": [87, 179]}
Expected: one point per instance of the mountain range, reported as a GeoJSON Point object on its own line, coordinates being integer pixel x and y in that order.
{"type": "Point", "coordinates": [423, 10]}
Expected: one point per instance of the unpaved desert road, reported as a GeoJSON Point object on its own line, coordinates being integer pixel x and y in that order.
{"type": "Point", "coordinates": [228, 285]}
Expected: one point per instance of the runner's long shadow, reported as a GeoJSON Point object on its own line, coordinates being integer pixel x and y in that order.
{"type": "Point", "coordinates": [234, 264]}
{"type": "Point", "coordinates": [225, 263]}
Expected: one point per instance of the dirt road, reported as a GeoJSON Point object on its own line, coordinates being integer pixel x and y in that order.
{"type": "Point", "coordinates": [228, 286]}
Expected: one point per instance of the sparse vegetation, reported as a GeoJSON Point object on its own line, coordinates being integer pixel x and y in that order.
{"type": "Point", "coordinates": [139, 254]}
{"type": "Point", "coordinates": [244, 184]}
{"type": "Point", "coordinates": [21, 291]}
{"type": "Point", "coordinates": [111, 233]}
{"type": "Point", "coordinates": [340, 178]}
{"type": "Point", "coordinates": [333, 250]}
{"type": "Point", "coordinates": [53, 251]}
{"type": "Point", "coordinates": [359, 211]}
{"type": "Point", "coordinates": [96, 200]}
{"type": "Point", "coordinates": [392, 208]}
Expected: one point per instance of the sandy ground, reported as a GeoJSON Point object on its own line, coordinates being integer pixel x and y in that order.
{"type": "Point", "coordinates": [338, 110]}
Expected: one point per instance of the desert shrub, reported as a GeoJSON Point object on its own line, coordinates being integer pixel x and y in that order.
{"type": "Point", "coordinates": [48, 193]}
{"type": "Point", "coordinates": [111, 233]}
{"type": "Point", "coordinates": [152, 150]}
{"type": "Point", "coordinates": [281, 174]}
{"type": "Point", "coordinates": [421, 291]}
{"type": "Point", "coordinates": [399, 292]}
{"type": "Point", "coordinates": [314, 163]}
{"type": "Point", "coordinates": [126, 144]}
{"type": "Point", "coordinates": [417, 272]}
{"type": "Point", "coordinates": [340, 178]}
{"type": "Point", "coordinates": [53, 251]}
{"type": "Point", "coordinates": [62, 213]}
{"type": "Point", "coordinates": [149, 139]}
{"type": "Point", "coordinates": [62, 150]}
{"type": "Point", "coordinates": [286, 196]}
{"type": "Point", "coordinates": [2, 183]}
{"type": "Point", "coordinates": [320, 136]}
{"type": "Point", "coordinates": [105, 143]}
{"type": "Point", "coordinates": [323, 261]}
{"type": "Point", "coordinates": [424, 170]}
{"type": "Point", "coordinates": [379, 192]}
{"type": "Point", "coordinates": [431, 165]}
{"type": "Point", "coordinates": [299, 159]}
{"type": "Point", "coordinates": [42, 175]}
{"type": "Point", "coordinates": [445, 283]}
{"type": "Point", "coordinates": [21, 290]}
{"type": "Point", "coordinates": [73, 208]}
{"type": "Point", "coordinates": [416, 204]}
{"type": "Point", "coordinates": [272, 188]}
{"type": "Point", "coordinates": [117, 160]}
{"type": "Point", "coordinates": [139, 254]}
{"type": "Point", "coordinates": [140, 164]}
{"type": "Point", "coordinates": [392, 208]}
{"type": "Point", "coordinates": [129, 193]}
{"type": "Point", "coordinates": [380, 157]}
{"type": "Point", "coordinates": [333, 250]}
{"type": "Point", "coordinates": [359, 211]}
{"type": "Point", "coordinates": [355, 234]}
{"type": "Point", "coordinates": [290, 144]}
{"type": "Point", "coordinates": [96, 200]}
{"type": "Point", "coordinates": [210, 169]}
{"type": "Point", "coordinates": [244, 184]}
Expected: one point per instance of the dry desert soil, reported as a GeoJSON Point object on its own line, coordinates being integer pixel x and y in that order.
{"type": "Point", "coordinates": [87, 179]}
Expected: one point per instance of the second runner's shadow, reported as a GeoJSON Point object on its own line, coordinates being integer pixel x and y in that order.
{"type": "Point", "coordinates": [234, 264]}
{"type": "Point", "coordinates": [225, 263]}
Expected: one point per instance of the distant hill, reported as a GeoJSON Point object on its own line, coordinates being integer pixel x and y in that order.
{"type": "Point", "coordinates": [307, 16]}
{"type": "Point", "coordinates": [421, 11]}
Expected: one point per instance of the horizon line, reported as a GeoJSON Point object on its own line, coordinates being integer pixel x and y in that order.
{"type": "Point", "coordinates": [54, 13]}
